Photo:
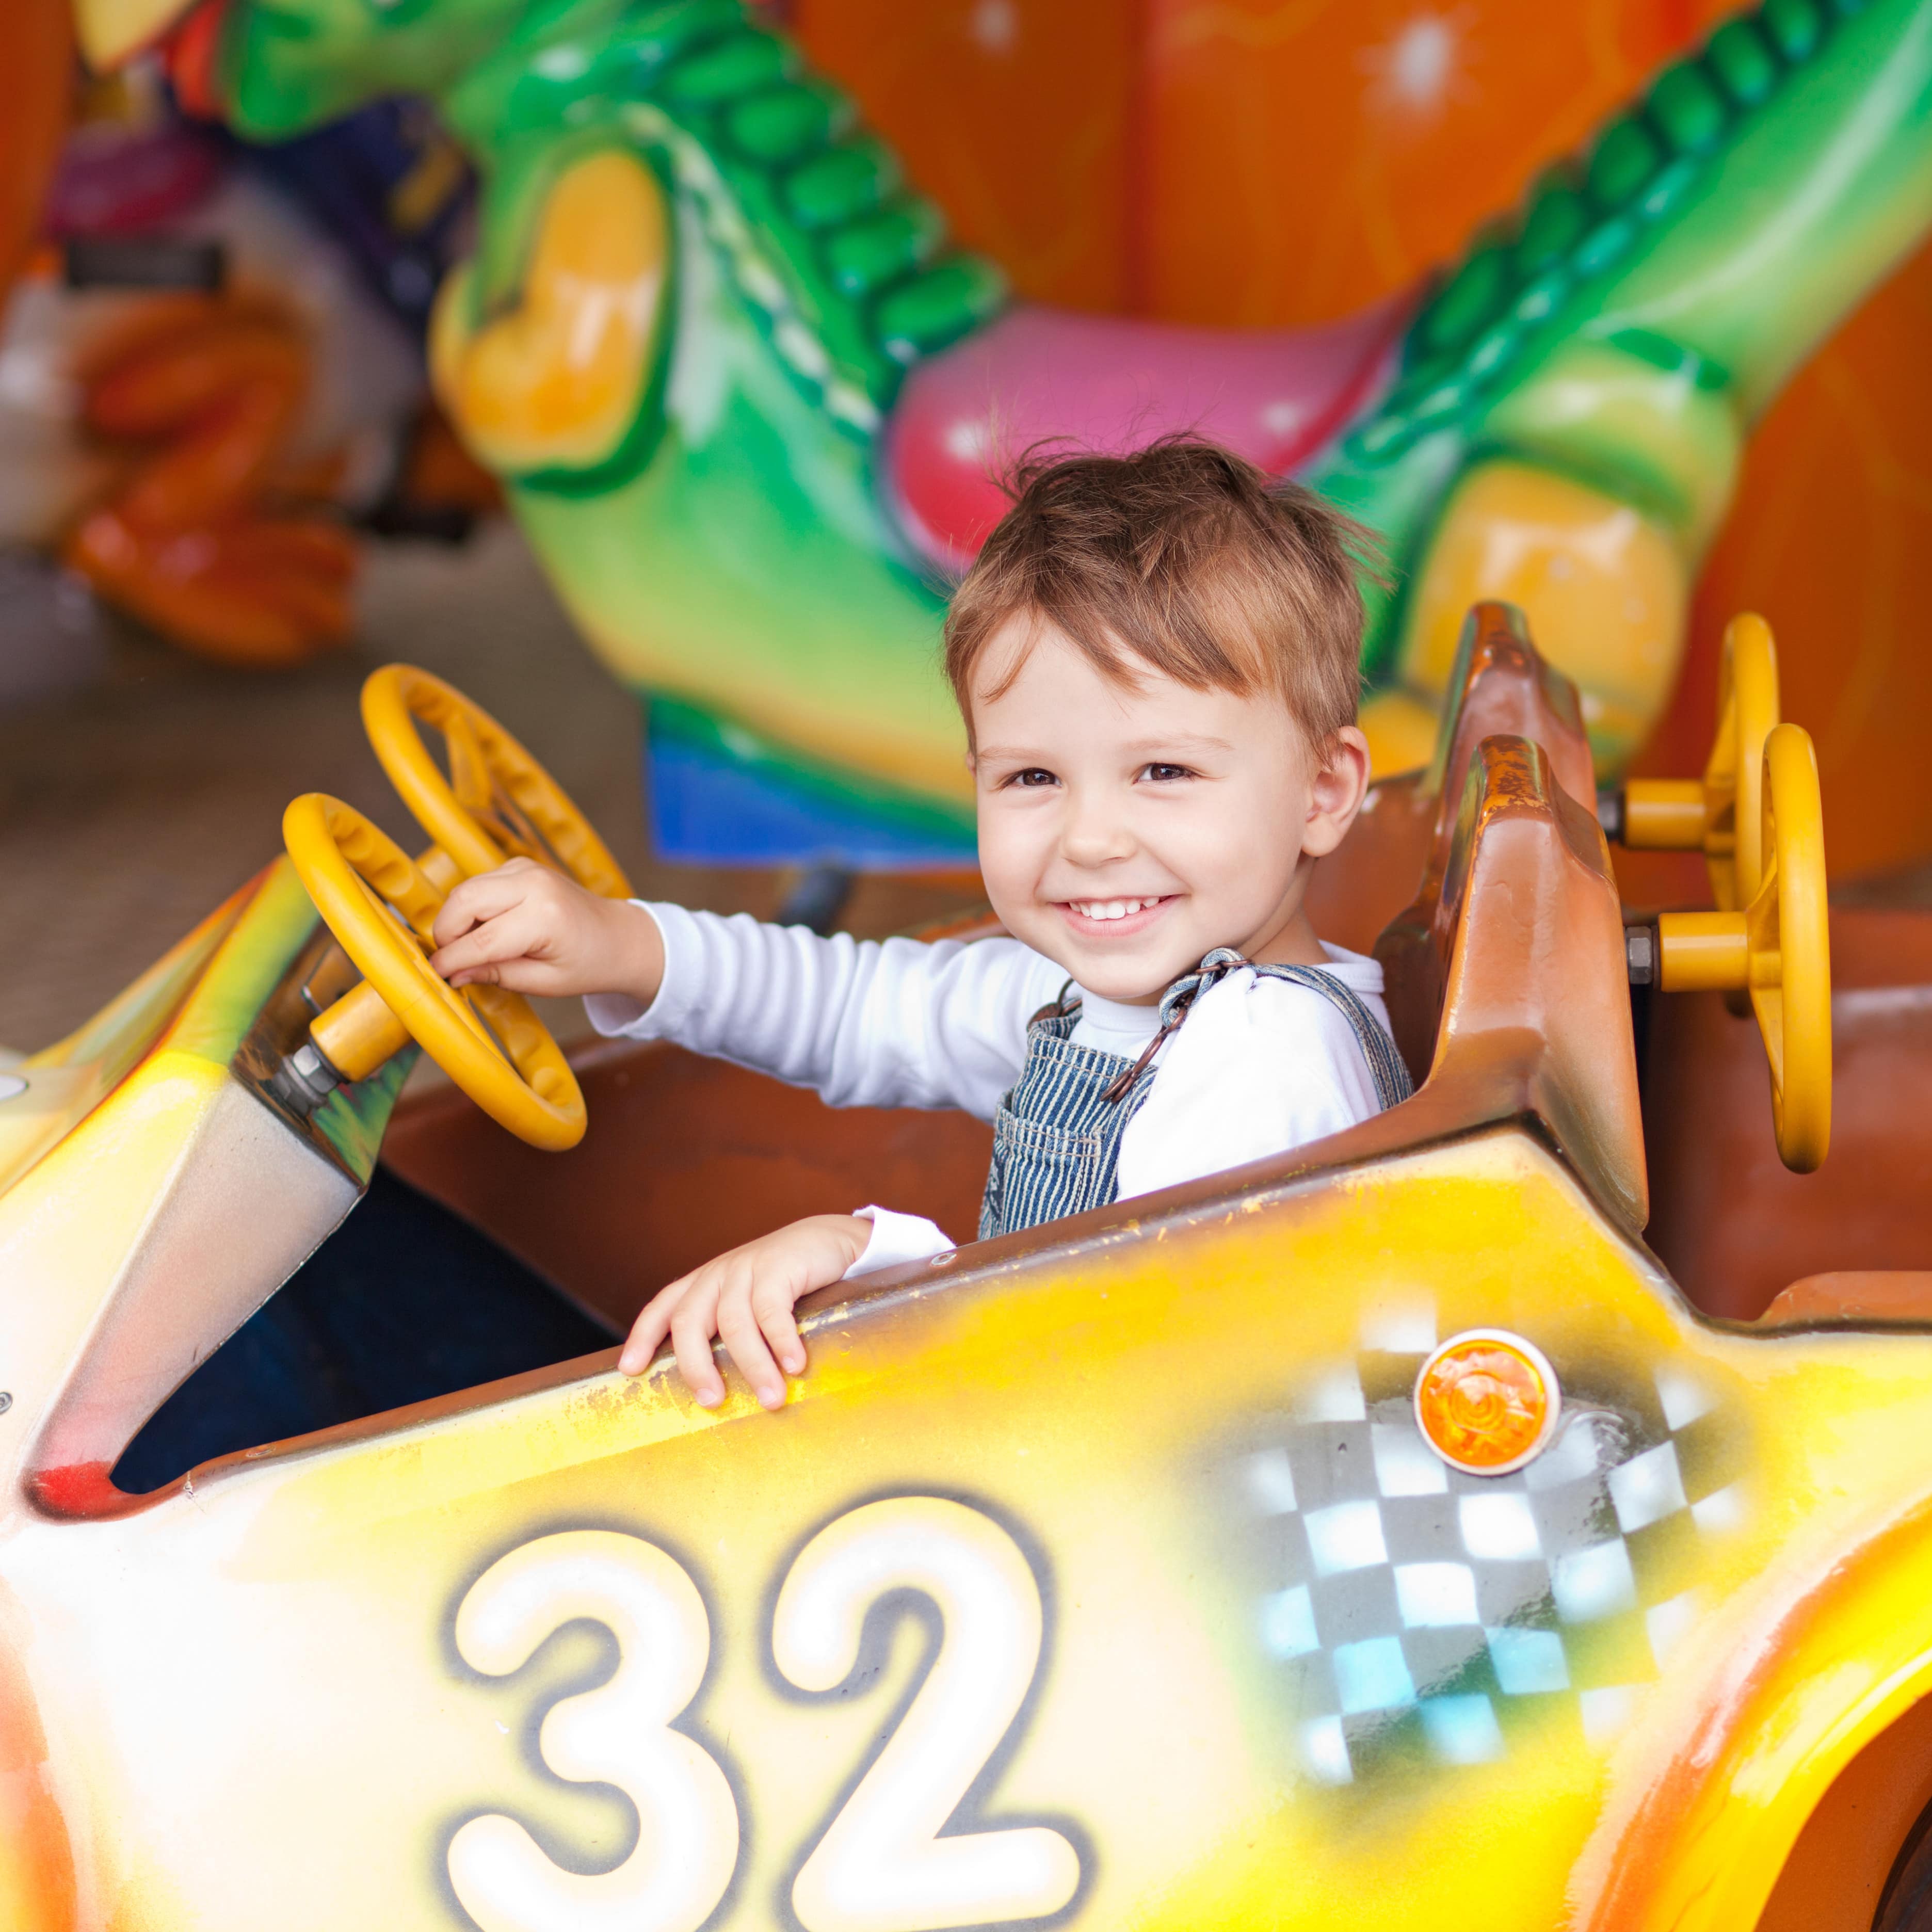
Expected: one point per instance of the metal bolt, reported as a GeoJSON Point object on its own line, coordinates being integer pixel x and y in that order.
{"type": "Point", "coordinates": [1640, 954]}
{"type": "Point", "coordinates": [304, 1080]}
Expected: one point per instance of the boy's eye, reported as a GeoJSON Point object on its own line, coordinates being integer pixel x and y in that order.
{"type": "Point", "coordinates": [1165, 774]}
{"type": "Point", "coordinates": [1033, 775]}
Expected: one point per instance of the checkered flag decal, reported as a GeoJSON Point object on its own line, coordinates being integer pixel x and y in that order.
{"type": "Point", "coordinates": [1422, 1616]}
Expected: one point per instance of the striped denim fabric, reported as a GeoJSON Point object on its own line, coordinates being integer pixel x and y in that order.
{"type": "Point", "coordinates": [1057, 1137]}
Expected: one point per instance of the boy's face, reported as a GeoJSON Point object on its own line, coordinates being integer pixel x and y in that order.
{"type": "Point", "coordinates": [1124, 833]}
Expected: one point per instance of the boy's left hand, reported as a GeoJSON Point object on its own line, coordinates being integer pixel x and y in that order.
{"type": "Point", "coordinates": [746, 1298]}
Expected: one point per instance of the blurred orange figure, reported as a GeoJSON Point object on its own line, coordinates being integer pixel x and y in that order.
{"type": "Point", "coordinates": [198, 541]}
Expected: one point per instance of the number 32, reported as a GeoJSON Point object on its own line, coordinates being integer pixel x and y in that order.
{"type": "Point", "coordinates": [881, 1865]}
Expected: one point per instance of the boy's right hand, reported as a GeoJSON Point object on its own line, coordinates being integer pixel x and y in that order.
{"type": "Point", "coordinates": [532, 931]}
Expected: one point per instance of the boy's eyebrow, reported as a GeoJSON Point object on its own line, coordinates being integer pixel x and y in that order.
{"type": "Point", "coordinates": [1140, 747]}
{"type": "Point", "coordinates": [1187, 742]}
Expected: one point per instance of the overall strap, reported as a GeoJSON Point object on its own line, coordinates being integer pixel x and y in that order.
{"type": "Point", "coordinates": [1385, 1065]}
{"type": "Point", "coordinates": [1175, 1005]}
{"type": "Point", "coordinates": [1386, 1069]}
{"type": "Point", "coordinates": [1065, 1005]}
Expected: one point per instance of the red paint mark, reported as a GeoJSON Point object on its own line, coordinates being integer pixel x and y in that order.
{"type": "Point", "coordinates": [78, 1489]}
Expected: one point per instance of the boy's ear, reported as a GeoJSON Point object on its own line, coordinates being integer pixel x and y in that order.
{"type": "Point", "coordinates": [1339, 784]}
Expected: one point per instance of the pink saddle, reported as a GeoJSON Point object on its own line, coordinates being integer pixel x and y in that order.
{"type": "Point", "coordinates": [1111, 384]}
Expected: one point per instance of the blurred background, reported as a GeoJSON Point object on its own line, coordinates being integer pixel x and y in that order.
{"type": "Point", "coordinates": [1234, 162]}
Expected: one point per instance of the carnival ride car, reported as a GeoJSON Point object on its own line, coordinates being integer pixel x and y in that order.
{"type": "Point", "coordinates": [1373, 1536]}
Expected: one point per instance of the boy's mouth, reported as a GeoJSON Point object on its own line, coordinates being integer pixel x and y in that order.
{"type": "Point", "coordinates": [1115, 918]}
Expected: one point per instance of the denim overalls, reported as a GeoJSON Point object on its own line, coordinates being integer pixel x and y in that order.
{"type": "Point", "coordinates": [1056, 1138]}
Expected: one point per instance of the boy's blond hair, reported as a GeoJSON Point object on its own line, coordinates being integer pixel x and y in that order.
{"type": "Point", "coordinates": [1184, 556]}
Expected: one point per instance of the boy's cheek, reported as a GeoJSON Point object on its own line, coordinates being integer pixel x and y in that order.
{"type": "Point", "coordinates": [1007, 856]}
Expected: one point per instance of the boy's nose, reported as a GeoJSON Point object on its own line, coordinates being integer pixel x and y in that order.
{"type": "Point", "coordinates": [1092, 835]}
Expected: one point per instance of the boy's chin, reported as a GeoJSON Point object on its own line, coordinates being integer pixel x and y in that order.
{"type": "Point", "coordinates": [1135, 977]}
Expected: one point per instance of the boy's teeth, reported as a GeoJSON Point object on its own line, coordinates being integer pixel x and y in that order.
{"type": "Point", "coordinates": [1109, 908]}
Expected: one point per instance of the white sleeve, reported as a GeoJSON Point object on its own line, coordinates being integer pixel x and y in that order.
{"type": "Point", "coordinates": [1259, 1066]}
{"type": "Point", "coordinates": [868, 1023]}
{"type": "Point", "coordinates": [895, 1238]}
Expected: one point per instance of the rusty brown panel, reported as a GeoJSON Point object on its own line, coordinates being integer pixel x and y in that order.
{"type": "Point", "coordinates": [1500, 686]}
{"type": "Point", "coordinates": [686, 1157]}
{"type": "Point", "coordinates": [1727, 1219]}
{"type": "Point", "coordinates": [1511, 954]}
{"type": "Point", "coordinates": [1536, 965]}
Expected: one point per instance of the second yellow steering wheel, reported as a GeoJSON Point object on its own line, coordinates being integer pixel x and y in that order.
{"type": "Point", "coordinates": [380, 906]}
{"type": "Point", "coordinates": [497, 803]}
{"type": "Point", "coordinates": [1776, 948]}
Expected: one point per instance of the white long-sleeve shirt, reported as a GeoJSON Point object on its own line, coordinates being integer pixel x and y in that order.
{"type": "Point", "coordinates": [1260, 1065]}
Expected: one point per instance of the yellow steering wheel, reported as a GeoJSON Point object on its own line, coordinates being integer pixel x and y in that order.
{"type": "Point", "coordinates": [1776, 948]}
{"type": "Point", "coordinates": [1718, 814]}
{"type": "Point", "coordinates": [497, 803]}
{"type": "Point", "coordinates": [381, 905]}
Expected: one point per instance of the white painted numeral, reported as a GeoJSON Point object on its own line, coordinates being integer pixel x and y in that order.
{"type": "Point", "coordinates": [882, 1866]}
{"type": "Point", "coordinates": [617, 1734]}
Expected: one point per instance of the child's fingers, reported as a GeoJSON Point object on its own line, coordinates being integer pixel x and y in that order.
{"type": "Point", "coordinates": [692, 1325]}
{"type": "Point", "coordinates": [485, 951]}
{"type": "Point", "coordinates": [652, 1325]}
{"type": "Point", "coordinates": [738, 1328]}
{"type": "Point", "coordinates": [771, 1305]}
{"type": "Point", "coordinates": [471, 901]}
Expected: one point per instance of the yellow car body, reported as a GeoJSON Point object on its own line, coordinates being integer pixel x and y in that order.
{"type": "Point", "coordinates": [1100, 1578]}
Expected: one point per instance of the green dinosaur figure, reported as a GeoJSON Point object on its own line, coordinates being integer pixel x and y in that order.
{"type": "Point", "coordinates": [748, 405]}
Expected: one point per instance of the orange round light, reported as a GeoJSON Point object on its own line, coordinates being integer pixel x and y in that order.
{"type": "Point", "coordinates": [1486, 1402]}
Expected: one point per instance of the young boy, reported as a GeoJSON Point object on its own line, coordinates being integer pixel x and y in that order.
{"type": "Point", "coordinates": [1156, 657]}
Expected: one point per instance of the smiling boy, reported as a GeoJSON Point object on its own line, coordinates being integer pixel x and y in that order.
{"type": "Point", "coordinates": [1156, 658]}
